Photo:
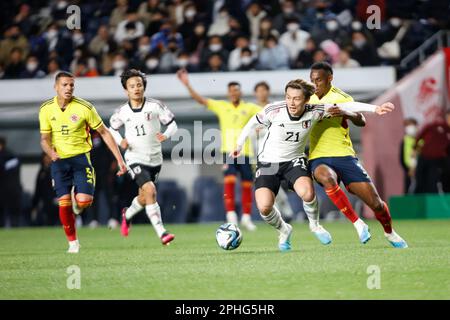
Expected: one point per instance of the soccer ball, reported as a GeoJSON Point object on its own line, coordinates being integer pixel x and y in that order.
{"type": "Point", "coordinates": [228, 236]}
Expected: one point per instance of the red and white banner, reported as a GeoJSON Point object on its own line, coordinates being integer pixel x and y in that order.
{"type": "Point", "coordinates": [424, 95]}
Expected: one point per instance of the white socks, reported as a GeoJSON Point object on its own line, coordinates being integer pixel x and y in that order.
{"type": "Point", "coordinates": [274, 219]}
{"type": "Point", "coordinates": [312, 212]}
{"type": "Point", "coordinates": [134, 208]}
{"type": "Point", "coordinates": [154, 214]}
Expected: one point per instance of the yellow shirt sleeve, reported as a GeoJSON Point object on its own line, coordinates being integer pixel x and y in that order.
{"type": "Point", "coordinates": [44, 123]}
{"type": "Point", "coordinates": [93, 119]}
{"type": "Point", "coordinates": [215, 105]}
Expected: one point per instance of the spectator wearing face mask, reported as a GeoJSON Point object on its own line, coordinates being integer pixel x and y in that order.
{"type": "Point", "coordinates": [330, 29]}
{"type": "Point", "coordinates": [248, 62]}
{"type": "Point", "coordinates": [294, 39]}
{"type": "Point", "coordinates": [151, 64]}
{"type": "Point", "coordinates": [119, 65]}
{"type": "Point", "coordinates": [234, 60]}
{"type": "Point", "coordinates": [408, 155]}
{"type": "Point", "coordinates": [215, 45]}
{"type": "Point", "coordinates": [168, 59]}
{"type": "Point", "coordinates": [288, 13]}
{"type": "Point", "coordinates": [363, 51]}
{"type": "Point", "coordinates": [32, 70]}
{"type": "Point", "coordinates": [184, 62]}
{"type": "Point", "coordinates": [160, 40]}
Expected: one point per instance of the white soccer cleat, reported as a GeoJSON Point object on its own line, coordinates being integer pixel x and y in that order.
{"type": "Point", "coordinates": [363, 231]}
{"type": "Point", "coordinates": [323, 235]}
{"type": "Point", "coordinates": [246, 222]}
{"type": "Point", "coordinates": [75, 208]}
{"type": "Point", "coordinates": [284, 239]}
{"type": "Point", "coordinates": [232, 217]}
{"type": "Point", "coordinates": [74, 247]}
{"type": "Point", "coordinates": [395, 240]}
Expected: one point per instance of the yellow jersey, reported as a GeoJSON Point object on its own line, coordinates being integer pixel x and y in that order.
{"type": "Point", "coordinates": [69, 128]}
{"type": "Point", "coordinates": [232, 120]}
{"type": "Point", "coordinates": [330, 137]}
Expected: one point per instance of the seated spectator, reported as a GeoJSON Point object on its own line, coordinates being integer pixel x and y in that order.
{"type": "Point", "coordinates": [143, 49]}
{"type": "Point", "coordinates": [320, 55]}
{"type": "Point", "coordinates": [160, 40]}
{"type": "Point", "coordinates": [32, 69]}
{"type": "Point", "coordinates": [345, 61]}
{"type": "Point", "coordinates": [362, 51]}
{"type": "Point", "coordinates": [100, 41]}
{"type": "Point", "coordinates": [13, 38]}
{"type": "Point", "coordinates": [176, 10]}
{"type": "Point", "coordinates": [288, 13]}
{"type": "Point", "coordinates": [273, 56]}
{"type": "Point", "coordinates": [151, 65]}
{"type": "Point", "coordinates": [149, 10]}
{"type": "Point", "coordinates": [83, 69]}
{"type": "Point", "coordinates": [294, 39]}
{"type": "Point", "coordinates": [255, 14]}
{"type": "Point", "coordinates": [197, 41]}
{"type": "Point", "coordinates": [15, 67]}
{"type": "Point", "coordinates": [184, 62]}
{"type": "Point", "coordinates": [247, 60]}
{"type": "Point", "coordinates": [235, 31]}
{"type": "Point", "coordinates": [220, 25]}
{"type": "Point", "coordinates": [118, 14]}
{"type": "Point", "coordinates": [215, 45]}
{"type": "Point", "coordinates": [129, 29]}
{"type": "Point", "coordinates": [234, 60]}
{"type": "Point", "coordinates": [53, 68]}
{"type": "Point", "coordinates": [305, 57]}
{"type": "Point", "coordinates": [168, 59]}
{"type": "Point", "coordinates": [215, 63]}
{"type": "Point", "coordinates": [119, 64]}
{"type": "Point", "coordinates": [331, 49]}
{"type": "Point", "coordinates": [266, 29]}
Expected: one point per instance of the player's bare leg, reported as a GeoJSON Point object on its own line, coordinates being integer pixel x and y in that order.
{"type": "Point", "coordinates": [328, 179]}
{"type": "Point", "coordinates": [80, 201]}
{"type": "Point", "coordinates": [367, 192]}
{"type": "Point", "coordinates": [304, 188]}
{"type": "Point", "coordinates": [154, 213]}
{"type": "Point", "coordinates": [265, 199]}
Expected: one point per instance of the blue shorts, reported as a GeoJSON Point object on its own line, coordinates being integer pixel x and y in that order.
{"type": "Point", "coordinates": [348, 169]}
{"type": "Point", "coordinates": [74, 171]}
{"type": "Point", "coordinates": [239, 165]}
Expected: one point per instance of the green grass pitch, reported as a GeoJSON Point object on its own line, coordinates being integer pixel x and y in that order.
{"type": "Point", "coordinates": [34, 264]}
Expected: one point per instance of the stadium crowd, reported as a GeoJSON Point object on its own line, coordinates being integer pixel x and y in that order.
{"type": "Point", "coordinates": [158, 36]}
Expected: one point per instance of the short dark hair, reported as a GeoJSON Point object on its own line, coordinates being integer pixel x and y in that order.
{"type": "Point", "coordinates": [127, 74]}
{"type": "Point", "coordinates": [322, 65]}
{"type": "Point", "coordinates": [261, 84]}
{"type": "Point", "coordinates": [63, 74]}
{"type": "Point", "coordinates": [306, 87]}
{"type": "Point", "coordinates": [234, 83]}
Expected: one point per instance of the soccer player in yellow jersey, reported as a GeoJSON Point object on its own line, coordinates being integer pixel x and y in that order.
{"type": "Point", "coordinates": [233, 115]}
{"type": "Point", "coordinates": [65, 121]}
{"type": "Point", "coordinates": [332, 159]}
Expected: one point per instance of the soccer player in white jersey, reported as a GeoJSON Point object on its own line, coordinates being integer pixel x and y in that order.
{"type": "Point", "coordinates": [142, 118]}
{"type": "Point", "coordinates": [282, 156]}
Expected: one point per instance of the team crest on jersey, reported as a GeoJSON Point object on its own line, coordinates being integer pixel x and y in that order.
{"type": "Point", "coordinates": [258, 173]}
{"type": "Point", "coordinates": [306, 124]}
{"type": "Point", "coordinates": [74, 118]}
{"type": "Point", "coordinates": [148, 116]}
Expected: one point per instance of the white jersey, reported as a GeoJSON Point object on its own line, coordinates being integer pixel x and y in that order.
{"type": "Point", "coordinates": [141, 126]}
{"type": "Point", "coordinates": [286, 136]}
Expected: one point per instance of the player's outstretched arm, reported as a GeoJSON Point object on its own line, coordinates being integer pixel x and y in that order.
{"type": "Point", "coordinates": [109, 140]}
{"type": "Point", "coordinates": [46, 144]}
{"type": "Point", "coordinates": [350, 109]}
{"type": "Point", "coordinates": [183, 76]}
{"type": "Point", "coordinates": [246, 131]}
